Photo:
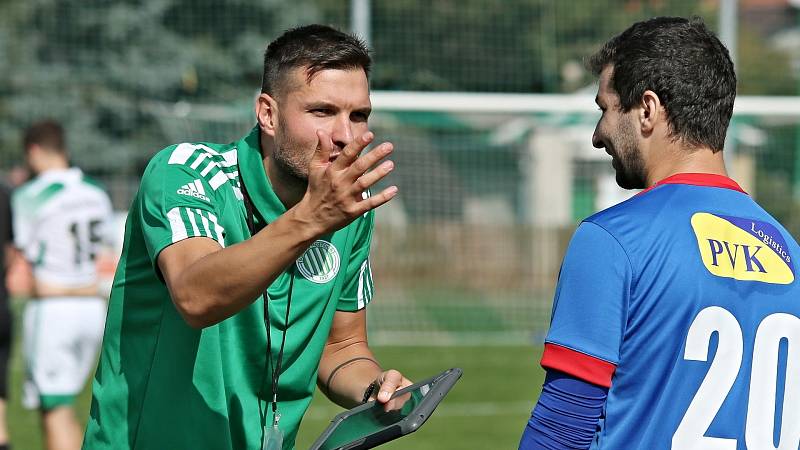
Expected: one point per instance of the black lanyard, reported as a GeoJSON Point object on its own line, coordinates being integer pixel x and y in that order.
{"type": "Point", "coordinates": [276, 368]}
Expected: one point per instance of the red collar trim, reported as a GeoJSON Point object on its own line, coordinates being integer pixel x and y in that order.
{"type": "Point", "coordinates": [699, 179]}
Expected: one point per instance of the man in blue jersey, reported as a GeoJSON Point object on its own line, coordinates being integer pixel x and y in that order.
{"type": "Point", "coordinates": [675, 321]}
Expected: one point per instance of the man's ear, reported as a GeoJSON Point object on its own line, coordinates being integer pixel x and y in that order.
{"type": "Point", "coordinates": [652, 111]}
{"type": "Point", "coordinates": [266, 113]}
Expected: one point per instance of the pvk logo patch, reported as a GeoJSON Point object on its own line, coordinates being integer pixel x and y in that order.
{"type": "Point", "coordinates": [320, 263]}
{"type": "Point", "coordinates": [743, 249]}
{"type": "Point", "coordinates": [194, 189]}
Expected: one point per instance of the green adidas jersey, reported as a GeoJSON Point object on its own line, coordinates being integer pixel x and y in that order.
{"type": "Point", "coordinates": [161, 384]}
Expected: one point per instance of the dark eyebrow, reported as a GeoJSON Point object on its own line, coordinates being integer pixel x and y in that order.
{"type": "Point", "coordinates": [321, 105]}
{"type": "Point", "coordinates": [325, 105]}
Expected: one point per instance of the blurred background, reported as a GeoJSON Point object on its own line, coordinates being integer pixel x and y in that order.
{"type": "Point", "coordinates": [491, 112]}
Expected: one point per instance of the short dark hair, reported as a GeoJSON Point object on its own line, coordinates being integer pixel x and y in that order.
{"type": "Point", "coordinates": [685, 64]}
{"type": "Point", "coordinates": [48, 134]}
{"type": "Point", "coordinates": [315, 47]}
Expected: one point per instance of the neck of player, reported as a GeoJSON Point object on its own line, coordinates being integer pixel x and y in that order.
{"type": "Point", "coordinates": [677, 158]}
{"type": "Point", "coordinates": [48, 162]}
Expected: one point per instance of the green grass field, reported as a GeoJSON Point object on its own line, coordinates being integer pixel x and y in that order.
{"type": "Point", "coordinates": [487, 408]}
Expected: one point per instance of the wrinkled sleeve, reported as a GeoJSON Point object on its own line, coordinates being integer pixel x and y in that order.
{"type": "Point", "coordinates": [590, 307]}
{"type": "Point", "coordinates": [566, 415]}
{"type": "Point", "coordinates": [176, 201]}
{"type": "Point", "coordinates": [358, 288]}
{"type": "Point", "coordinates": [23, 221]}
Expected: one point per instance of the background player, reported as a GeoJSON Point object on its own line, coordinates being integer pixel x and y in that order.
{"type": "Point", "coordinates": [675, 322]}
{"type": "Point", "coordinates": [61, 220]}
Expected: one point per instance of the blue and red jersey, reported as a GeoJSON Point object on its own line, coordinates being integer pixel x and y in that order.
{"type": "Point", "coordinates": [684, 301]}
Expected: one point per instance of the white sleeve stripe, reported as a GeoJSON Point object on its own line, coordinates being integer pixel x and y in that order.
{"type": "Point", "coordinates": [208, 149]}
{"type": "Point", "coordinates": [218, 180]}
{"type": "Point", "coordinates": [230, 158]}
{"type": "Point", "coordinates": [209, 166]}
{"type": "Point", "coordinates": [205, 223]}
{"type": "Point", "coordinates": [181, 154]}
{"type": "Point", "coordinates": [364, 293]}
{"type": "Point", "coordinates": [361, 302]}
{"type": "Point", "coordinates": [217, 229]}
{"type": "Point", "coordinates": [195, 230]}
{"type": "Point", "coordinates": [200, 158]}
{"type": "Point", "coordinates": [176, 224]}
{"type": "Point", "coordinates": [370, 284]}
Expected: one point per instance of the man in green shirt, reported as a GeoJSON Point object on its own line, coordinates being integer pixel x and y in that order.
{"type": "Point", "coordinates": [190, 358]}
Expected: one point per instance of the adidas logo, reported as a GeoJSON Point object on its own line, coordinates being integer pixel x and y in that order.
{"type": "Point", "coordinates": [194, 189]}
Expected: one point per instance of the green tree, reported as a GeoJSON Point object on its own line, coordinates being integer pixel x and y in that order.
{"type": "Point", "coordinates": [99, 67]}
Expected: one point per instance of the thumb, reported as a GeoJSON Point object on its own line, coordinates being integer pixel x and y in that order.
{"type": "Point", "coordinates": [391, 380]}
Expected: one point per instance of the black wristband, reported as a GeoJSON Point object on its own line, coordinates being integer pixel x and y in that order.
{"type": "Point", "coordinates": [370, 390]}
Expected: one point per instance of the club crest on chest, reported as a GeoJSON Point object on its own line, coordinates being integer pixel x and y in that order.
{"type": "Point", "coordinates": [320, 263]}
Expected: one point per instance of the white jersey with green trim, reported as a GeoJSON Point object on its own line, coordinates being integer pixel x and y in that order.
{"type": "Point", "coordinates": [61, 220]}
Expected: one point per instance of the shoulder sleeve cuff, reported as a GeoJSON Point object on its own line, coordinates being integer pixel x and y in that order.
{"type": "Point", "coordinates": [577, 364]}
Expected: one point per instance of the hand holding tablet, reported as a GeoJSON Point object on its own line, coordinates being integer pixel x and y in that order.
{"type": "Point", "coordinates": [370, 425]}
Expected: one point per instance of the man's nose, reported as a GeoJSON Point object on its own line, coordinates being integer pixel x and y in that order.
{"type": "Point", "coordinates": [342, 132]}
{"type": "Point", "coordinates": [596, 141]}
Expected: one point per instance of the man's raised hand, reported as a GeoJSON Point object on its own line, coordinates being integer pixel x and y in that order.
{"type": "Point", "coordinates": [334, 197]}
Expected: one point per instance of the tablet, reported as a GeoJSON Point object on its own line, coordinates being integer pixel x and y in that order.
{"type": "Point", "coordinates": [368, 425]}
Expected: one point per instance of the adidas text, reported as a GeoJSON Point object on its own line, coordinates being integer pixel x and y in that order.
{"type": "Point", "coordinates": [192, 194]}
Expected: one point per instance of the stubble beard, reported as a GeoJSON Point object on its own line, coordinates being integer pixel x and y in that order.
{"type": "Point", "coordinates": [289, 157]}
{"type": "Point", "coordinates": [629, 167]}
